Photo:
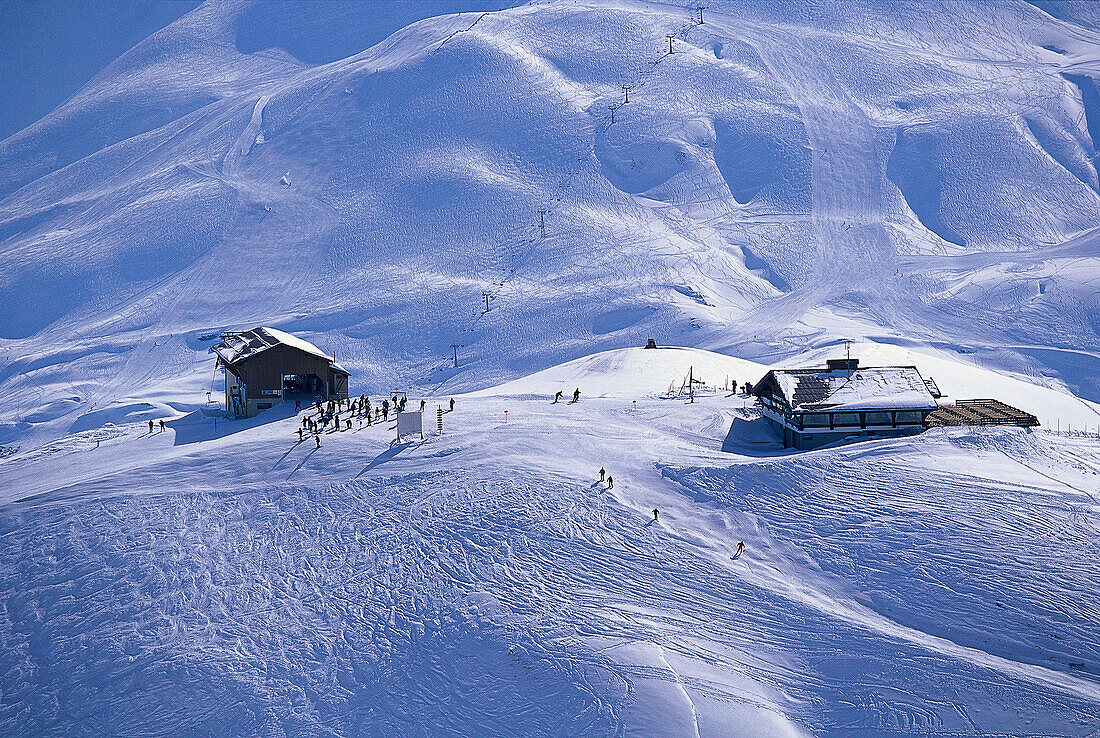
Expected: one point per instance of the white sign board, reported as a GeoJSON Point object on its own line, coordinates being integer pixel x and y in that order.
{"type": "Point", "coordinates": [410, 422]}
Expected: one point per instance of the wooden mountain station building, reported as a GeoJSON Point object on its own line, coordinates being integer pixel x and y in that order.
{"type": "Point", "coordinates": [264, 366]}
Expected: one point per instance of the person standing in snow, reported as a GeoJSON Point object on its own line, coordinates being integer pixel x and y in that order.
{"type": "Point", "coordinates": [557, 396]}
{"type": "Point", "coordinates": [656, 514]}
{"type": "Point", "coordinates": [150, 426]}
{"type": "Point", "coordinates": [611, 482]}
{"type": "Point", "coordinates": [602, 473]}
{"type": "Point", "coordinates": [297, 406]}
{"type": "Point", "coordinates": [161, 426]}
{"type": "Point", "coordinates": [576, 394]}
{"type": "Point", "coordinates": [452, 405]}
{"type": "Point", "coordinates": [386, 409]}
{"type": "Point", "coordinates": [300, 439]}
{"type": "Point", "coordinates": [422, 404]}
{"type": "Point", "coordinates": [318, 440]}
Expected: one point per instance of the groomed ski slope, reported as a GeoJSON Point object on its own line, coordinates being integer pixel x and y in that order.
{"type": "Point", "coordinates": [482, 582]}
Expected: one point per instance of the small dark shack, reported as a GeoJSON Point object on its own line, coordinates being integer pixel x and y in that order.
{"type": "Point", "coordinates": [264, 366]}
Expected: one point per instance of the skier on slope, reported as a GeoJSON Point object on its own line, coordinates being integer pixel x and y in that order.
{"type": "Point", "coordinates": [656, 514]}
{"type": "Point", "coordinates": [576, 394]}
{"type": "Point", "coordinates": [318, 440]}
{"type": "Point", "coordinates": [557, 396]}
{"type": "Point", "coordinates": [602, 473]}
{"type": "Point", "coordinates": [161, 426]}
{"type": "Point", "coordinates": [386, 409]}
{"type": "Point", "coordinates": [422, 404]}
{"type": "Point", "coordinates": [150, 426]}
{"type": "Point", "coordinates": [740, 549]}
{"type": "Point", "coordinates": [611, 482]}
{"type": "Point", "coordinates": [452, 405]}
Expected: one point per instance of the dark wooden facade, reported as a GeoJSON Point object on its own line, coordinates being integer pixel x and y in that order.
{"type": "Point", "coordinates": [262, 380]}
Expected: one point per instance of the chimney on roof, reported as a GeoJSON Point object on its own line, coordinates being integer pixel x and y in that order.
{"type": "Point", "coordinates": [842, 365]}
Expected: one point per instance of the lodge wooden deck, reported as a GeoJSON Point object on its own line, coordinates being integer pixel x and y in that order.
{"type": "Point", "coordinates": [980, 412]}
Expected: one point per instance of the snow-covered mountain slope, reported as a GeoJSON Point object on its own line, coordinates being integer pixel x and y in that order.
{"type": "Point", "coordinates": [482, 582]}
{"type": "Point", "coordinates": [53, 49]}
{"type": "Point", "coordinates": [362, 173]}
{"type": "Point", "coordinates": [916, 181]}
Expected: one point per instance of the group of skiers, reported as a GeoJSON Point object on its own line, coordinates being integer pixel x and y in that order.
{"type": "Point", "coordinates": [151, 426]}
{"type": "Point", "coordinates": [576, 396]}
{"type": "Point", "coordinates": [361, 408]}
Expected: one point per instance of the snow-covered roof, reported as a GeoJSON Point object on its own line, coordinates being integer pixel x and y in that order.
{"type": "Point", "coordinates": [872, 388]}
{"type": "Point", "coordinates": [240, 346]}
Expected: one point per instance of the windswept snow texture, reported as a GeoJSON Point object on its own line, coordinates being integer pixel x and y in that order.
{"type": "Point", "coordinates": [361, 173]}
{"type": "Point", "coordinates": [483, 581]}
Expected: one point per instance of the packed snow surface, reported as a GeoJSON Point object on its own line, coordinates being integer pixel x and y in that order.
{"type": "Point", "coordinates": [234, 580]}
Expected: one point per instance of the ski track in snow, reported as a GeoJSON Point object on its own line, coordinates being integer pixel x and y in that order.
{"type": "Point", "coordinates": [477, 583]}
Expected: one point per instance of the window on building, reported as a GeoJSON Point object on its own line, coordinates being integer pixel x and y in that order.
{"type": "Point", "coordinates": [909, 417]}
{"type": "Point", "coordinates": [815, 420]}
{"type": "Point", "coordinates": [845, 418]}
{"type": "Point", "coordinates": [879, 418]}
